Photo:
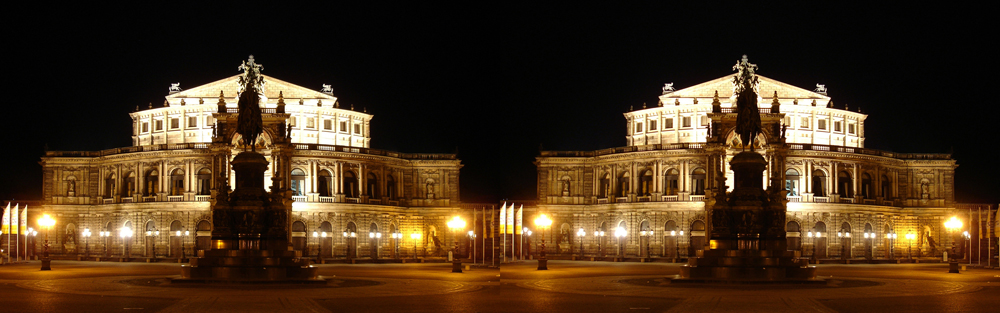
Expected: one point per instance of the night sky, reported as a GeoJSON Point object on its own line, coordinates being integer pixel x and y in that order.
{"type": "Point", "coordinates": [495, 84]}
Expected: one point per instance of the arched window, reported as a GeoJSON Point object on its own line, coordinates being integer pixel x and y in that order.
{"type": "Point", "coordinates": [351, 184]}
{"type": "Point", "coordinates": [372, 185]}
{"type": "Point", "coordinates": [866, 186]}
{"type": "Point", "coordinates": [298, 182]}
{"type": "Point", "coordinates": [792, 182]}
{"type": "Point", "coordinates": [845, 186]}
{"type": "Point", "coordinates": [109, 185]}
{"type": "Point", "coordinates": [129, 184]}
{"type": "Point", "coordinates": [886, 187]}
{"type": "Point", "coordinates": [819, 183]}
{"type": "Point", "coordinates": [390, 187]}
{"type": "Point", "coordinates": [604, 186]}
{"type": "Point", "coordinates": [204, 181]}
{"type": "Point", "coordinates": [177, 182]}
{"type": "Point", "coordinates": [670, 182]}
{"type": "Point", "coordinates": [698, 181]}
{"type": "Point", "coordinates": [324, 184]}
{"type": "Point", "coordinates": [646, 183]}
{"type": "Point", "coordinates": [152, 182]}
{"type": "Point", "coordinates": [623, 185]}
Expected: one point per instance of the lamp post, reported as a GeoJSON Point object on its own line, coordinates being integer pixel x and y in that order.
{"type": "Point", "coordinates": [415, 236]}
{"type": "Point", "coordinates": [909, 247]}
{"type": "Point", "coordinates": [579, 235]}
{"type": "Point", "coordinates": [952, 225]}
{"type": "Point", "coordinates": [86, 238]}
{"type": "Point", "coordinates": [47, 222]}
{"type": "Point", "coordinates": [456, 224]}
{"type": "Point", "coordinates": [644, 235]}
{"type": "Point", "coordinates": [472, 237]}
{"type": "Point", "coordinates": [185, 234]}
{"type": "Point", "coordinates": [543, 222]}
{"type": "Point", "coordinates": [891, 236]}
{"type": "Point", "coordinates": [620, 234]}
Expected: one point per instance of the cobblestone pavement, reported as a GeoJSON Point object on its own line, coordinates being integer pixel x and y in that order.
{"type": "Point", "coordinates": [567, 286]}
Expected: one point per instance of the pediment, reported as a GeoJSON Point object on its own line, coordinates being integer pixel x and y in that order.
{"type": "Point", "coordinates": [724, 85]}
{"type": "Point", "coordinates": [229, 86]}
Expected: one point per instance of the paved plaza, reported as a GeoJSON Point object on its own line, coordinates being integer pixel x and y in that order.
{"type": "Point", "coordinates": [568, 286]}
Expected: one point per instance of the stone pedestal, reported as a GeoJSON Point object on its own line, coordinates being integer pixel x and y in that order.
{"type": "Point", "coordinates": [250, 235]}
{"type": "Point", "coordinates": [746, 233]}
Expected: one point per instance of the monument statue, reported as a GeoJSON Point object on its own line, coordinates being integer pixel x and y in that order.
{"type": "Point", "coordinates": [745, 87]}
{"type": "Point", "coordinates": [249, 123]}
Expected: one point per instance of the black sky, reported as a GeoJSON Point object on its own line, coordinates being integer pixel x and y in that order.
{"type": "Point", "coordinates": [496, 83]}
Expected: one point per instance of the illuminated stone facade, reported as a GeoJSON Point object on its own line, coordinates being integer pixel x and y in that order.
{"type": "Point", "coordinates": [167, 179]}
{"type": "Point", "coordinates": [674, 159]}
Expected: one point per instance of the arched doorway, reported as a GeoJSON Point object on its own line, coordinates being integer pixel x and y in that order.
{"type": "Point", "coordinates": [869, 241]}
{"type": "Point", "coordinates": [204, 181]}
{"type": "Point", "coordinates": [604, 186]}
{"type": "Point", "coordinates": [107, 239]}
{"type": "Point", "coordinates": [844, 236]}
{"type": "Point", "coordinates": [176, 239]}
{"type": "Point", "coordinates": [177, 182]}
{"type": "Point", "coordinates": [151, 236]}
{"type": "Point", "coordinates": [350, 184]}
{"type": "Point", "coordinates": [670, 182]}
{"type": "Point", "coordinates": [845, 185]}
{"type": "Point", "coordinates": [697, 238]}
{"type": "Point", "coordinates": [646, 183]}
{"type": "Point", "coordinates": [152, 181]}
{"type": "Point", "coordinates": [698, 181]}
{"type": "Point", "coordinates": [623, 185]}
{"type": "Point", "coordinates": [299, 237]}
{"type": "Point", "coordinates": [820, 240]}
{"type": "Point", "coordinates": [351, 237]}
{"type": "Point", "coordinates": [866, 186]}
{"type": "Point", "coordinates": [395, 241]}
{"type": "Point", "coordinates": [793, 236]}
{"type": "Point", "coordinates": [129, 184]}
{"type": "Point", "coordinates": [602, 239]}
{"type": "Point", "coordinates": [203, 236]}
{"type": "Point", "coordinates": [670, 235]}
{"type": "Point", "coordinates": [374, 236]}
{"type": "Point", "coordinates": [645, 233]}
{"type": "Point", "coordinates": [621, 240]}
{"type": "Point", "coordinates": [390, 187]}
{"type": "Point", "coordinates": [326, 242]}
{"type": "Point", "coordinates": [109, 186]}
{"type": "Point", "coordinates": [888, 242]}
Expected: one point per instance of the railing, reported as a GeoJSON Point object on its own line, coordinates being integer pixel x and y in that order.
{"type": "Point", "coordinates": [821, 199]}
{"type": "Point", "coordinates": [602, 200]}
{"type": "Point", "coordinates": [203, 198]}
{"type": "Point", "coordinates": [262, 110]}
{"type": "Point", "coordinates": [621, 200]}
{"type": "Point", "coordinates": [323, 199]}
{"type": "Point", "coordinates": [299, 198]}
{"type": "Point", "coordinates": [369, 151]}
{"type": "Point", "coordinates": [113, 151]}
{"type": "Point", "coordinates": [109, 200]}
{"type": "Point", "coordinates": [643, 199]}
{"type": "Point", "coordinates": [149, 199]}
{"type": "Point", "coordinates": [792, 146]}
{"type": "Point", "coordinates": [374, 201]}
{"type": "Point", "coordinates": [127, 200]}
{"type": "Point", "coordinates": [175, 198]}
{"type": "Point", "coordinates": [696, 198]}
{"type": "Point", "coordinates": [888, 203]}
{"type": "Point", "coordinates": [656, 147]}
{"type": "Point", "coordinates": [393, 202]}
{"type": "Point", "coordinates": [671, 198]}
{"type": "Point", "coordinates": [761, 110]}
{"type": "Point", "coordinates": [888, 154]}
{"type": "Point", "coordinates": [348, 200]}
{"type": "Point", "coordinates": [794, 198]}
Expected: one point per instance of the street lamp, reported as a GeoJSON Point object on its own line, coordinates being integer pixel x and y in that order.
{"type": "Point", "coordinates": [620, 233]}
{"type": "Point", "coordinates": [952, 225]}
{"type": "Point", "coordinates": [415, 236]}
{"type": "Point", "coordinates": [909, 247]}
{"type": "Point", "coordinates": [579, 235]}
{"type": "Point", "coordinates": [86, 237]}
{"type": "Point", "coordinates": [47, 222]}
{"type": "Point", "coordinates": [186, 233]}
{"type": "Point", "coordinates": [472, 237]}
{"type": "Point", "coordinates": [456, 224]}
{"type": "Point", "coordinates": [543, 222]}
{"type": "Point", "coordinates": [891, 236]}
